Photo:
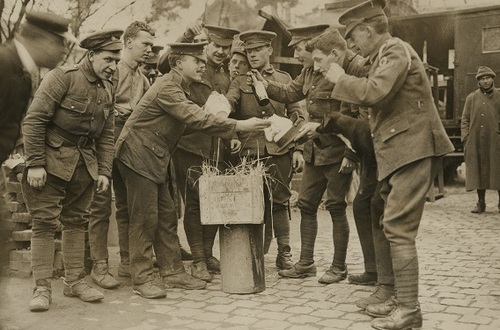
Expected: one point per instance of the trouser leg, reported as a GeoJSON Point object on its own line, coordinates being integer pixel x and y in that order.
{"type": "Point", "coordinates": [404, 193]}
{"type": "Point", "coordinates": [337, 187]}
{"type": "Point", "coordinates": [142, 198]}
{"type": "Point", "coordinates": [99, 215]}
{"type": "Point", "coordinates": [382, 247]}
{"type": "Point", "coordinates": [121, 215]}
{"type": "Point", "coordinates": [166, 243]}
{"type": "Point", "coordinates": [362, 215]}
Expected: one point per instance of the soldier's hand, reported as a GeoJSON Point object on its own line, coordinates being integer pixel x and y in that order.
{"type": "Point", "coordinates": [102, 184]}
{"type": "Point", "coordinates": [298, 161]}
{"type": "Point", "coordinates": [333, 73]}
{"type": "Point", "coordinates": [37, 176]}
{"type": "Point", "coordinates": [252, 124]}
{"type": "Point", "coordinates": [235, 146]}
{"type": "Point", "coordinates": [258, 76]}
{"type": "Point", "coordinates": [347, 166]}
{"type": "Point", "coordinates": [196, 27]}
{"type": "Point", "coordinates": [308, 131]}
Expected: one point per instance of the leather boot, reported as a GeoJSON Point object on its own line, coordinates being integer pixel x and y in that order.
{"type": "Point", "coordinates": [284, 257]}
{"type": "Point", "coordinates": [199, 270]}
{"type": "Point", "coordinates": [333, 275]}
{"type": "Point", "coordinates": [213, 265]}
{"type": "Point", "coordinates": [41, 298]}
{"type": "Point", "coordinates": [382, 309]}
{"type": "Point", "coordinates": [480, 208]}
{"type": "Point", "coordinates": [82, 290]}
{"type": "Point", "coordinates": [366, 278]}
{"type": "Point", "coordinates": [101, 276]}
{"type": "Point", "coordinates": [183, 281]}
{"type": "Point", "coordinates": [380, 295]}
{"type": "Point", "coordinates": [401, 318]}
{"type": "Point", "coordinates": [299, 271]}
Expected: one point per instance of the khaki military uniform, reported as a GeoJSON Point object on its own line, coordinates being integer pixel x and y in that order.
{"type": "Point", "coordinates": [408, 138]}
{"type": "Point", "coordinates": [143, 151]}
{"type": "Point", "coordinates": [69, 131]}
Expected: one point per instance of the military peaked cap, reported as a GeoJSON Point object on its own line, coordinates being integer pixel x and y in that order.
{"type": "Point", "coordinates": [196, 49]}
{"type": "Point", "coordinates": [238, 47]}
{"type": "Point", "coordinates": [155, 54]}
{"type": "Point", "coordinates": [103, 40]}
{"type": "Point", "coordinates": [305, 33]}
{"type": "Point", "coordinates": [257, 38]}
{"type": "Point", "coordinates": [51, 23]}
{"type": "Point", "coordinates": [220, 35]}
{"type": "Point", "coordinates": [360, 14]}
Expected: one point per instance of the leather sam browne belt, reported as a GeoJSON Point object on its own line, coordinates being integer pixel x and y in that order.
{"type": "Point", "coordinates": [78, 140]}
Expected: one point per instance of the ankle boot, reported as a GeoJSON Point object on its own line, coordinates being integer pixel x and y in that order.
{"type": "Point", "coordinates": [480, 207]}
{"type": "Point", "coordinates": [284, 257]}
{"type": "Point", "coordinates": [101, 276]}
{"type": "Point", "coordinates": [41, 298]}
{"type": "Point", "coordinates": [299, 271]}
{"type": "Point", "coordinates": [380, 295]}
{"type": "Point", "coordinates": [400, 318]}
{"type": "Point", "coordinates": [382, 309]}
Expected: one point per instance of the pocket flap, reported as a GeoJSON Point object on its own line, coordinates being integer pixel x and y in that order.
{"type": "Point", "coordinates": [155, 148]}
{"type": "Point", "coordinates": [394, 129]}
{"type": "Point", "coordinates": [74, 105]}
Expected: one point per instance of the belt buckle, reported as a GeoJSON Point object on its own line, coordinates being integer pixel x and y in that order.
{"type": "Point", "coordinates": [82, 141]}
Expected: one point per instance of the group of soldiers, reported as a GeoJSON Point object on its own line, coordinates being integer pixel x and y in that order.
{"type": "Point", "coordinates": [103, 122]}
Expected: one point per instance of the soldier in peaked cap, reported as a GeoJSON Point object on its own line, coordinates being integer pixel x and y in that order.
{"type": "Point", "coordinates": [408, 138]}
{"type": "Point", "coordinates": [73, 112]}
{"type": "Point", "coordinates": [41, 41]}
{"type": "Point", "coordinates": [329, 162]}
{"type": "Point", "coordinates": [150, 67]}
{"type": "Point", "coordinates": [254, 144]}
{"type": "Point", "coordinates": [238, 61]}
{"type": "Point", "coordinates": [150, 136]}
{"type": "Point", "coordinates": [130, 85]}
{"type": "Point", "coordinates": [194, 148]}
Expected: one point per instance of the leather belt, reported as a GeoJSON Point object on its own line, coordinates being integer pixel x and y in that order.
{"type": "Point", "coordinates": [78, 140]}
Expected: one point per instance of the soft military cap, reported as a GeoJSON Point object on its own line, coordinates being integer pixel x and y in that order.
{"type": "Point", "coordinates": [238, 47]}
{"type": "Point", "coordinates": [485, 71]}
{"type": "Point", "coordinates": [103, 40]}
{"type": "Point", "coordinates": [306, 32]}
{"type": "Point", "coordinates": [51, 23]}
{"type": "Point", "coordinates": [155, 54]}
{"type": "Point", "coordinates": [360, 14]}
{"type": "Point", "coordinates": [195, 49]}
{"type": "Point", "coordinates": [220, 35]}
{"type": "Point", "coordinates": [257, 38]}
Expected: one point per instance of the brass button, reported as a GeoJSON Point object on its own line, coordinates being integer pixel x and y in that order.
{"type": "Point", "coordinates": [393, 130]}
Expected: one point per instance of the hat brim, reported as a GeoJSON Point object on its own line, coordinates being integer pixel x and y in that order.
{"type": "Point", "coordinates": [221, 41]}
{"type": "Point", "coordinates": [491, 74]}
{"type": "Point", "coordinates": [287, 140]}
{"type": "Point", "coordinates": [202, 57]}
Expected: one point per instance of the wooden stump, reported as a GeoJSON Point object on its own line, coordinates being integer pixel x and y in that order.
{"type": "Point", "coordinates": [242, 258]}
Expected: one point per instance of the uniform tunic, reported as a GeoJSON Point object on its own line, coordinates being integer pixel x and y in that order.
{"type": "Point", "coordinates": [403, 115]}
{"type": "Point", "coordinates": [481, 136]}
{"type": "Point", "coordinates": [143, 152]}
{"type": "Point", "coordinates": [72, 99]}
{"type": "Point", "coordinates": [245, 105]}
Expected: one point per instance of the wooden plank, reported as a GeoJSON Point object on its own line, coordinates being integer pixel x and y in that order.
{"type": "Point", "coordinates": [231, 199]}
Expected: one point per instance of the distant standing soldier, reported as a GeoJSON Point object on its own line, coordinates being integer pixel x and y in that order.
{"type": "Point", "coordinates": [68, 137]}
{"type": "Point", "coordinates": [481, 137]}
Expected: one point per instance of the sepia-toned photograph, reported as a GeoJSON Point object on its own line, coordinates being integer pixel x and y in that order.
{"type": "Point", "coordinates": [249, 164]}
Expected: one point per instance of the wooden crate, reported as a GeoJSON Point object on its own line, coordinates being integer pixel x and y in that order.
{"type": "Point", "coordinates": [231, 199]}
